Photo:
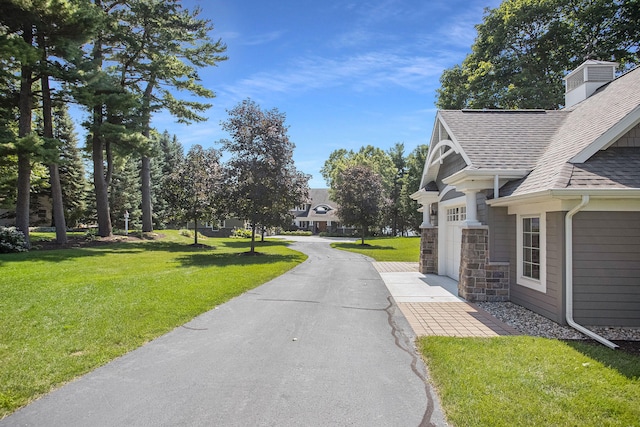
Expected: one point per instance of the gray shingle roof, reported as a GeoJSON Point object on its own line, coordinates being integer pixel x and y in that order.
{"type": "Point", "coordinates": [616, 167]}
{"type": "Point", "coordinates": [319, 196]}
{"type": "Point", "coordinates": [585, 122]}
{"type": "Point", "coordinates": [545, 141]}
{"type": "Point", "coordinates": [505, 139]}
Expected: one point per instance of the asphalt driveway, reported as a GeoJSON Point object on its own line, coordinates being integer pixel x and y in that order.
{"type": "Point", "coordinates": [322, 345]}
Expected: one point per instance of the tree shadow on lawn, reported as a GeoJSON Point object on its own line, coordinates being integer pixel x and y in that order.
{"type": "Point", "coordinates": [232, 259]}
{"type": "Point", "coordinates": [64, 254]}
{"type": "Point", "coordinates": [133, 248]}
{"type": "Point", "coordinates": [246, 243]}
{"type": "Point", "coordinates": [57, 255]}
{"type": "Point", "coordinates": [625, 360]}
{"type": "Point", "coordinates": [361, 246]}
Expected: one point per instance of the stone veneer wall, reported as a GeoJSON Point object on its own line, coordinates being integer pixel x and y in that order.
{"type": "Point", "coordinates": [429, 251]}
{"type": "Point", "coordinates": [480, 279]}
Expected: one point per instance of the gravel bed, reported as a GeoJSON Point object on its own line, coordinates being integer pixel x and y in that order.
{"type": "Point", "coordinates": [530, 323]}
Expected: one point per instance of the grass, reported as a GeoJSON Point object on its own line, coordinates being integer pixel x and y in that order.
{"type": "Point", "coordinates": [528, 381]}
{"type": "Point", "coordinates": [385, 248]}
{"type": "Point", "coordinates": [40, 236]}
{"type": "Point", "coordinates": [66, 312]}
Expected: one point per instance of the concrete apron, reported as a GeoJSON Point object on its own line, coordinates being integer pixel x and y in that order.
{"type": "Point", "coordinates": [431, 305]}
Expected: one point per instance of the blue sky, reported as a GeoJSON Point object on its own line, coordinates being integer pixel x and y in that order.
{"type": "Point", "coordinates": [345, 73]}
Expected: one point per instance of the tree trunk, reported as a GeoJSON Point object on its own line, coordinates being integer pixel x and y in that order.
{"type": "Point", "coordinates": [363, 233]}
{"type": "Point", "coordinates": [58, 206]}
{"type": "Point", "coordinates": [147, 213]}
{"type": "Point", "coordinates": [195, 226]}
{"type": "Point", "coordinates": [145, 172]}
{"type": "Point", "coordinates": [253, 239]}
{"type": "Point", "coordinates": [24, 156]}
{"type": "Point", "coordinates": [24, 189]}
{"type": "Point", "coordinates": [54, 175]}
{"type": "Point", "coordinates": [99, 181]}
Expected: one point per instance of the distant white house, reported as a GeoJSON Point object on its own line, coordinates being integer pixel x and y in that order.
{"type": "Point", "coordinates": [320, 214]}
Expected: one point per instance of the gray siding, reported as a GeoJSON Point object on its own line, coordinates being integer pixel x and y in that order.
{"type": "Point", "coordinates": [630, 139]}
{"type": "Point", "coordinates": [450, 165]}
{"type": "Point", "coordinates": [483, 209]}
{"type": "Point", "coordinates": [551, 303]}
{"type": "Point", "coordinates": [501, 232]}
{"type": "Point", "coordinates": [606, 268]}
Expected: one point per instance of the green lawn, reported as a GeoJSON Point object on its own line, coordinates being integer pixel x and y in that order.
{"type": "Point", "coordinates": [66, 312]}
{"type": "Point", "coordinates": [527, 381]}
{"type": "Point", "coordinates": [385, 248]}
{"type": "Point", "coordinates": [41, 236]}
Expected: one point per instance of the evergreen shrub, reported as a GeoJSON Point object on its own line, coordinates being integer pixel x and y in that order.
{"type": "Point", "coordinates": [12, 240]}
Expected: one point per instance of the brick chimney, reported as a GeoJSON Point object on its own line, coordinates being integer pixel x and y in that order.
{"type": "Point", "coordinates": [582, 82]}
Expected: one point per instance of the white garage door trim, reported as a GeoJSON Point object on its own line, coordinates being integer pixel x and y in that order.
{"type": "Point", "coordinates": [452, 214]}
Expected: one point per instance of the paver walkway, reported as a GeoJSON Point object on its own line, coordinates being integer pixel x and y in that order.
{"type": "Point", "coordinates": [431, 307]}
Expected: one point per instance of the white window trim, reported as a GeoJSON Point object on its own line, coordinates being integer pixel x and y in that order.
{"type": "Point", "coordinates": [528, 282]}
{"type": "Point", "coordinates": [457, 214]}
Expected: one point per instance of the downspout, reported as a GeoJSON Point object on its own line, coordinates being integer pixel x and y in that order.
{"type": "Point", "coordinates": [568, 233]}
{"type": "Point", "coordinates": [496, 186]}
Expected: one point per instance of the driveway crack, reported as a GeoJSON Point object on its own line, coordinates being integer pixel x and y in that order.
{"type": "Point", "coordinates": [288, 300]}
{"type": "Point", "coordinates": [404, 344]}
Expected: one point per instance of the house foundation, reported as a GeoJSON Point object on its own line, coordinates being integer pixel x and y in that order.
{"type": "Point", "coordinates": [480, 279]}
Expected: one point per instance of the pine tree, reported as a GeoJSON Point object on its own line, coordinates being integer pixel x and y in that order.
{"type": "Point", "coordinates": [75, 188]}
{"type": "Point", "coordinates": [125, 192]}
{"type": "Point", "coordinates": [170, 158]}
{"type": "Point", "coordinates": [162, 47]}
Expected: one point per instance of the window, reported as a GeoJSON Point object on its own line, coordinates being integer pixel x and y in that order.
{"type": "Point", "coordinates": [532, 252]}
{"type": "Point", "coordinates": [457, 214]}
{"type": "Point", "coordinates": [531, 248]}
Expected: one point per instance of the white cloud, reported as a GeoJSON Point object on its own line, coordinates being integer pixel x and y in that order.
{"type": "Point", "coordinates": [263, 38]}
{"type": "Point", "coordinates": [253, 40]}
{"type": "Point", "coordinates": [358, 72]}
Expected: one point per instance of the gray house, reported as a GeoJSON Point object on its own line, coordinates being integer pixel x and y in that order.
{"type": "Point", "coordinates": [541, 208]}
{"type": "Point", "coordinates": [319, 214]}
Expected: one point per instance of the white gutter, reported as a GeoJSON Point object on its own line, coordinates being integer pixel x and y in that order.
{"type": "Point", "coordinates": [565, 194]}
{"type": "Point", "coordinates": [569, 275]}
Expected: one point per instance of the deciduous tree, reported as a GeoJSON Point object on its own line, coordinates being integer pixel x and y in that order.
{"type": "Point", "coordinates": [191, 189]}
{"type": "Point", "coordinates": [262, 183]}
{"type": "Point", "coordinates": [523, 49]}
{"type": "Point", "coordinates": [358, 191]}
{"type": "Point", "coordinates": [396, 153]}
{"type": "Point", "coordinates": [376, 159]}
{"type": "Point", "coordinates": [411, 183]}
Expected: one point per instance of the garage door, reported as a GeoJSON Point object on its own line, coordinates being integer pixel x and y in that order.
{"type": "Point", "coordinates": [455, 217]}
